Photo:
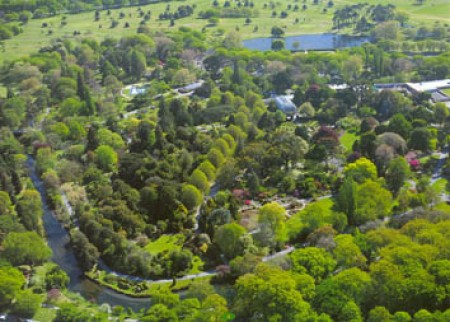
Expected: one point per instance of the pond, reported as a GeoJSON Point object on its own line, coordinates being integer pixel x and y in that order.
{"type": "Point", "coordinates": [325, 41]}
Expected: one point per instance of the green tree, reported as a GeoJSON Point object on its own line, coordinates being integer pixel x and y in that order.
{"type": "Point", "coordinates": [69, 312]}
{"type": "Point", "coordinates": [388, 30]}
{"type": "Point", "coordinates": [232, 40]}
{"type": "Point", "coordinates": [213, 308]}
{"type": "Point", "coordinates": [441, 113]}
{"type": "Point", "coordinates": [191, 196]}
{"type": "Point", "coordinates": [307, 109]}
{"type": "Point", "coordinates": [200, 289]}
{"type": "Point", "coordinates": [45, 160]}
{"type": "Point", "coordinates": [379, 314]}
{"type": "Point", "coordinates": [216, 157]}
{"type": "Point", "coordinates": [6, 206]}
{"type": "Point", "coordinates": [346, 200]}
{"type": "Point", "coordinates": [276, 297]}
{"type": "Point", "coordinates": [160, 313]}
{"type": "Point", "coordinates": [181, 262]}
{"type": "Point", "coordinates": [420, 139]}
{"type": "Point", "coordinates": [273, 216]}
{"type": "Point", "coordinates": [347, 252]}
{"type": "Point", "coordinates": [29, 208]}
{"type": "Point", "coordinates": [207, 168]}
{"type": "Point", "coordinates": [27, 303]}
{"type": "Point", "coordinates": [226, 178]}
{"type": "Point", "coordinates": [228, 238]}
{"type": "Point", "coordinates": [56, 278]}
{"type": "Point", "coordinates": [400, 125]}
{"type": "Point", "coordinates": [316, 262]}
{"type": "Point", "coordinates": [354, 283]}
{"type": "Point", "coordinates": [137, 65]}
{"type": "Point", "coordinates": [372, 202]}
{"type": "Point", "coordinates": [397, 173]}
{"type": "Point", "coordinates": [26, 249]}
{"type": "Point", "coordinates": [11, 281]}
{"type": "Point", "coordinates": [361, 170]}
{"type": "Point", "coordinates": [277, 44]}
{"type": "Point", "coordinates": [277, 32]}
{"type": "Point", "coordinates": [199, 180]}
{"type": "Point", "coordinates": [106, 158]}
{"type": "Point", "coordinates": [289, 147]}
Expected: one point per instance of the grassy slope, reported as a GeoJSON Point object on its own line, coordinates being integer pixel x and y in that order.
{"type": "Point", "coordinates": [165, 243]}
{"type": "Point", "coordinates": [313, 20]}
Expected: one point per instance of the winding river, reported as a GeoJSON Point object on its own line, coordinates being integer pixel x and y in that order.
{"type": "Point", "coordinates": [59, 242]}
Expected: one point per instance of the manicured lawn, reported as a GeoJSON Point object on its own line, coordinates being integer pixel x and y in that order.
{"type": "Point", "coordinates": [348, 139]}
{"type": "Point", "coordinates": [165, 243]}
{"type": "Point", "coordinates": [312, 20]}
{"type": "Point", "coordinates": [326, 203]}
{"type": "Point", "coordinates": [446, 91]}
{"type": "Point", "coordinates": [149, 286]}
{"type": "Point", "coordinates": [295, 224]}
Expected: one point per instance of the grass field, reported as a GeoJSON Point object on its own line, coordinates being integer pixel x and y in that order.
{"type": "Point", "coordinates": [446, 91]}
{"type": "Point", "coordinates": [165, 243]}
{"type": "Point", "coordinates": [313, 20]}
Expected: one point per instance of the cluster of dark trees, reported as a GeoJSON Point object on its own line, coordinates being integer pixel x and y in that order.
{"type": "Point", "coordinates": [181, 12]}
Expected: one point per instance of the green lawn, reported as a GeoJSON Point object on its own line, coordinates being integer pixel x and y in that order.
{"type": "Point", "coordinates": [348, 139]}
{"type": "Point", "coordinates": [446, 91]}
{"type": "Point", "coordinates": [165, 243]}
{"type": "Point", "coordinates": [150, 287]}
{"type": "Point", "coordinates": [326, 203]}
{"type": "Point", "coordinates": [313, 20]}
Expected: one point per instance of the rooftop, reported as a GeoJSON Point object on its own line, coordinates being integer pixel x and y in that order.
{"type": "Point", "coordinates": [429, 86]}
{"type": "Point", "coordinates": [285, 104]}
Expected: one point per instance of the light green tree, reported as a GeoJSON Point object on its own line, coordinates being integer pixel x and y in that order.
{"type": "Point", "coordinates": [26, 249]}
{"type": "Point", "coordinates": [228, 238]}
{"type": "Point", "coordinates": [106, 158]}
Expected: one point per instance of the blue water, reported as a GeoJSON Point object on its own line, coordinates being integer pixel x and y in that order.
{"type": "Point", "coordinates": [308, 42]}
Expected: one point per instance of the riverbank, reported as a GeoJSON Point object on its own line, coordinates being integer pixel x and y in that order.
{"type": "Point", "coordinates": [140, 290]}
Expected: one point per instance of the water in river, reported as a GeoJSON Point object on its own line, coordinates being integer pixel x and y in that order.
{"type": "Point", "coordinates": [59, 242]}
{"type": "Point", "coordinates": [308, 42]}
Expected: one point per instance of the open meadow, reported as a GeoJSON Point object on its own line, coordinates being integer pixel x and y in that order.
{"type": "Point", "coordinates": [312, 20]}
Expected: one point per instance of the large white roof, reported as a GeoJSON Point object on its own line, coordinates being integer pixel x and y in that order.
{"type": "Point", "coordinates": [430, 85]}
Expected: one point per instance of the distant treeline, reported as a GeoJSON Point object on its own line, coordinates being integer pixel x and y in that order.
{"type": "Point", "coordinates": [41, 8]}
{"type": "Point", "coordinates": [228, 13]}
